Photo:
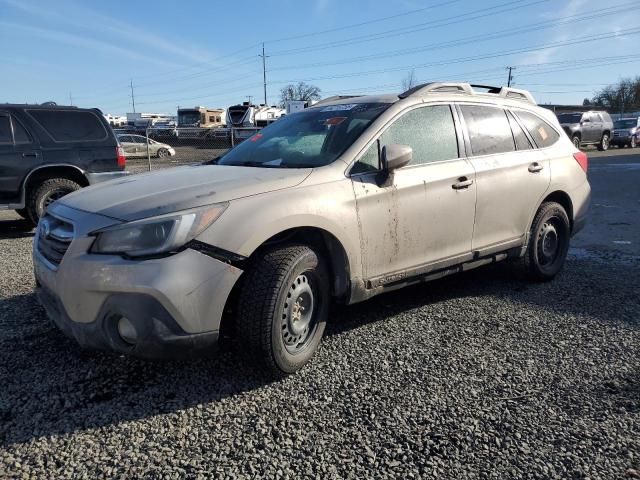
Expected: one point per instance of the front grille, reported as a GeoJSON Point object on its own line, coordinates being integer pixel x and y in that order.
{"type": "Point", "coordinates": [54, 238]}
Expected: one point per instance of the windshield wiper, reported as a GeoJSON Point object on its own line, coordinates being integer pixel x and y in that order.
{"type": "Point", "coordinates": [252, 164]}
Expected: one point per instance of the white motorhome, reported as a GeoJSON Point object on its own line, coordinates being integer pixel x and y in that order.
{"type": "Point", "coordinates": [245, 118]}
{"type": "Point", "coordinates": [142, 121]}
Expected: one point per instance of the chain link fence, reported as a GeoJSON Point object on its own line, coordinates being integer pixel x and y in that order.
{"type": "Point", "coordinates": [164, 147]}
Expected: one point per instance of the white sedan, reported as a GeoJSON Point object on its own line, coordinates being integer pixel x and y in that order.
{"type": "Point", "coordinates": [136, 146]}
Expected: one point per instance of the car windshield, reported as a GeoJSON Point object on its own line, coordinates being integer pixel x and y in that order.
{"type": "Point", "coordinates": [569, 117]}
{"type": "Point", "coordinates": [188, 118]}
{"type": "Point", "coordinates": [307, 139]}
{"type": "Point", "coordinates": [625, 123]}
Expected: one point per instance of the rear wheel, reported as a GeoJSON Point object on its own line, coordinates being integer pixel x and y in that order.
{"type": "Point", "coordinates": [603, 146]}
{"type": "Point", "coordinates": [43, 195]}
{"type": "Point", "coordinates": [548, 242]}
{"type": "Point", "coordinates": [283, 308]}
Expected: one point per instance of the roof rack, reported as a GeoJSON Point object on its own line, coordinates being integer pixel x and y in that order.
{"type": "Point", "coordinates": [469, 89]}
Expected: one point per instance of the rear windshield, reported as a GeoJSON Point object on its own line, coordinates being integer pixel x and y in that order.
{"type": "Point", "coordinates": [569, 117]}
{"type": "Point", "coordinates": [70, 125]}
{"type": "Point", "coordinates": [306, 139]}
{"type": "Point", "coordinates": [625, 123]}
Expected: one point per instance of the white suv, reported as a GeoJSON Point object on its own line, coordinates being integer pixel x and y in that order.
{"type": "Point", "coordinates": [339, 202]}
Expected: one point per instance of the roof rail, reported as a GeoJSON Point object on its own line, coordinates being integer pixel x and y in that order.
{"type": "Point", "coordinates": [469, 89]}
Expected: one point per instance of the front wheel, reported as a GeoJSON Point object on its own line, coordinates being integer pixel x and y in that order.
{"type": "Point", "coordinates": [576, 141]}
{"type": "Point", "coordinates": [283, 308]}
{"type": "Point", "coordinates": [163, 153]}
{"type": "Point", "coordinates": [603, 146]}
{"type": "Point", "coordinates": [633, 143]}
{"type": "Point", "coordinates": [548, 242]}
{"type": "Point", "coordinates": [46, 193]}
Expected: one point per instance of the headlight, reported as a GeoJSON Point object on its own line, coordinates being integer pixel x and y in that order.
{"type": "Point", "coordinates": [153, 236]}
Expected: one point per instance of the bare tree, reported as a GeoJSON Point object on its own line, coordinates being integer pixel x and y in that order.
{"type": "Point", "coordinates": [300, 91]}
{"type": "Point", "coordinates": [621, 97]}
{"type": "Point", "coordinates": [409, 81]}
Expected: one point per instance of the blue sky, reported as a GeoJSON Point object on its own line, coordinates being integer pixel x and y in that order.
{"type": "Point", "coordinates": [206, 53]}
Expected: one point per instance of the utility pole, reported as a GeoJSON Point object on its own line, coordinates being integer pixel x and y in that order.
{"type": "Point", "coordinates": [249, 97]}
{"type": "Point", "coordinates": [264, 72]}
{"type": "Point", "coordinates": [133, 98]}
{"type": "Point", "coordinates": [510, 76]}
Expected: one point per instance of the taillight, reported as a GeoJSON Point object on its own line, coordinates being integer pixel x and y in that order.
{"type": "Point", "coordinates": [582, 160]}
{"type": "Point", "coordinates": [122, 160]}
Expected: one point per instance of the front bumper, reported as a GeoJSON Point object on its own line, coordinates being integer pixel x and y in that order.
{"type": "Point", "coordinates": [175, 303]}
{"type": "Point", "coordinates": [620, 139]}
{"type": "Point", "coordinates": [94, 178]}
{"type": "Point", "coordinates": [158, 335]}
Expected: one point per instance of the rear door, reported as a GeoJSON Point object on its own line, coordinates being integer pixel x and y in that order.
{"type": "Point", "coordinates": [19, 154]}
{"type": "Point", "coordinates": [128, 145]}
{"type": "Point", "coordinates": [510, 180]}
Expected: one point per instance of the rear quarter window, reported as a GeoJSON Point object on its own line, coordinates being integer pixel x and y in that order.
{"type": "Point", "coordinates": [541, 132]}
{"type": "Point", "coordinates": [70, 125]}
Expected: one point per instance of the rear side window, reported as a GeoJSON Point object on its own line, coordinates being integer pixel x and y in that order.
{"type": "Point", "coordinates": [5, 130]}
{"type": "Point", "coordinates": [70, 125]}
{"type": "Point", "coordinates": [540, 131]}
{"type": "Point", "coordinates": [522, 142]}
{"type": "Point", "coordinates": [489, 129]}
{"type": "Point", "coordinates": [20, 134]}
{"type": "Point", "coordinates": [430, 131]}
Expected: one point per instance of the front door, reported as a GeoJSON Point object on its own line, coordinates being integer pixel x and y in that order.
{"type": "Point", "coordinates": [423, 213]}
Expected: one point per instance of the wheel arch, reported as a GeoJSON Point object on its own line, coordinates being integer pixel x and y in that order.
{"type": "Point", "coordinates": [45, 172]}
{"type": "Point", "coordinates": [321, 240]}
{"type": "Point", "coordinates": [563, 199]}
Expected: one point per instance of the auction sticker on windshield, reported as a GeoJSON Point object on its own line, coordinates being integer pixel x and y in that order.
{"type": "Point", "coordinates": [336, 108]}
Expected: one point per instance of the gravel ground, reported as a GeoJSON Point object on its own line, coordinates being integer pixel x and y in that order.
{"type": "Point", "coordinates": [481, 375]}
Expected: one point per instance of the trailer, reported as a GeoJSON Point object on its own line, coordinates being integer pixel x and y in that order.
{"type": "Point", "coordinates": [245, 119]}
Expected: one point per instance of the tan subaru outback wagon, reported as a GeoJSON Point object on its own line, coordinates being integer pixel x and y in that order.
{"type": "Point", "coordinates": [340, 202]}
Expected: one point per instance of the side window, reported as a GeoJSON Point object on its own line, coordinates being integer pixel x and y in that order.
{"type": "Point", "coordinates": [139, 139]}
{"type": "Point", "coordinates": [522, 142]}
{"type": "Point", "coordinates": [369, 162]}
{"type": "Point", "coordinates": [489, 129]}
{"type": "Point", "coordinates": [124, 139]}
{"type": "Point", "coordinates": [540, 131]}
{"type": "Point", "coordinates": [430, 131]}
{"type": "Point", "coordinates": [5, 130]}
{"type": "Point", "coordinates": [70, 125]}
{"type": "Point", "coordinates": [20, 134]}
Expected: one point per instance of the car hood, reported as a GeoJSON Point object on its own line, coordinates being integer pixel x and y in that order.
{"type": "Point", "coordinates": [175, 189]}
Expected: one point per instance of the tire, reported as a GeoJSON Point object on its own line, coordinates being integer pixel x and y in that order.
{"type": "Point", "coordinates": [267, 322]}
{"type": "Point", "coordinates": [163, 153]}
{"type": "Point", "coordinates": [603, 146]}
{"type": "Point", "coordinates": [548, 242]}
{"type": "Point", "coordinates": [23, 213]}
{"type": "Point", "coordinates": [634, 142]}
{"type": "Point", "coordinates": [576, 141]}
{"type": "Point", "coordinates": [47, 192]}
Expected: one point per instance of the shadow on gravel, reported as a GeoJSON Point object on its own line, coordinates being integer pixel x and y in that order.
{"type": "Point", "coordinates": [50, 387]}
{"type": "Point", "coordinates": [15, 229]}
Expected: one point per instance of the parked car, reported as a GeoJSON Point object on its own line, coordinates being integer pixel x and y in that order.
{"type": "Point", "coordinates": [136, 146]}
{"type": "Point", "coordinates": [626, 132]}
{"type": "Point", "coordinates": [337, 203]}
{"type": "Point", "coordinates": [47, 151]}
{"type": "Point", "coordinates": [588, 128]}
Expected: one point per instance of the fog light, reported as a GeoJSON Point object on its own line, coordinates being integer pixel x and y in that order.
{"type": "Point", "coordinates": [126, 330]}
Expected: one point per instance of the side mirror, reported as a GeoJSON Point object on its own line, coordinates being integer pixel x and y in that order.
{"type": "Point", "coordinates": [396, 156]}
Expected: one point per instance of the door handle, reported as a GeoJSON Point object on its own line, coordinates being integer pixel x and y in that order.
{"type": "Point", "coordinates": [535, 167]}
{"type": "Point", "coordinates": [463, 182]}
{"type": "Point", "coordinates": [33, 154]}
